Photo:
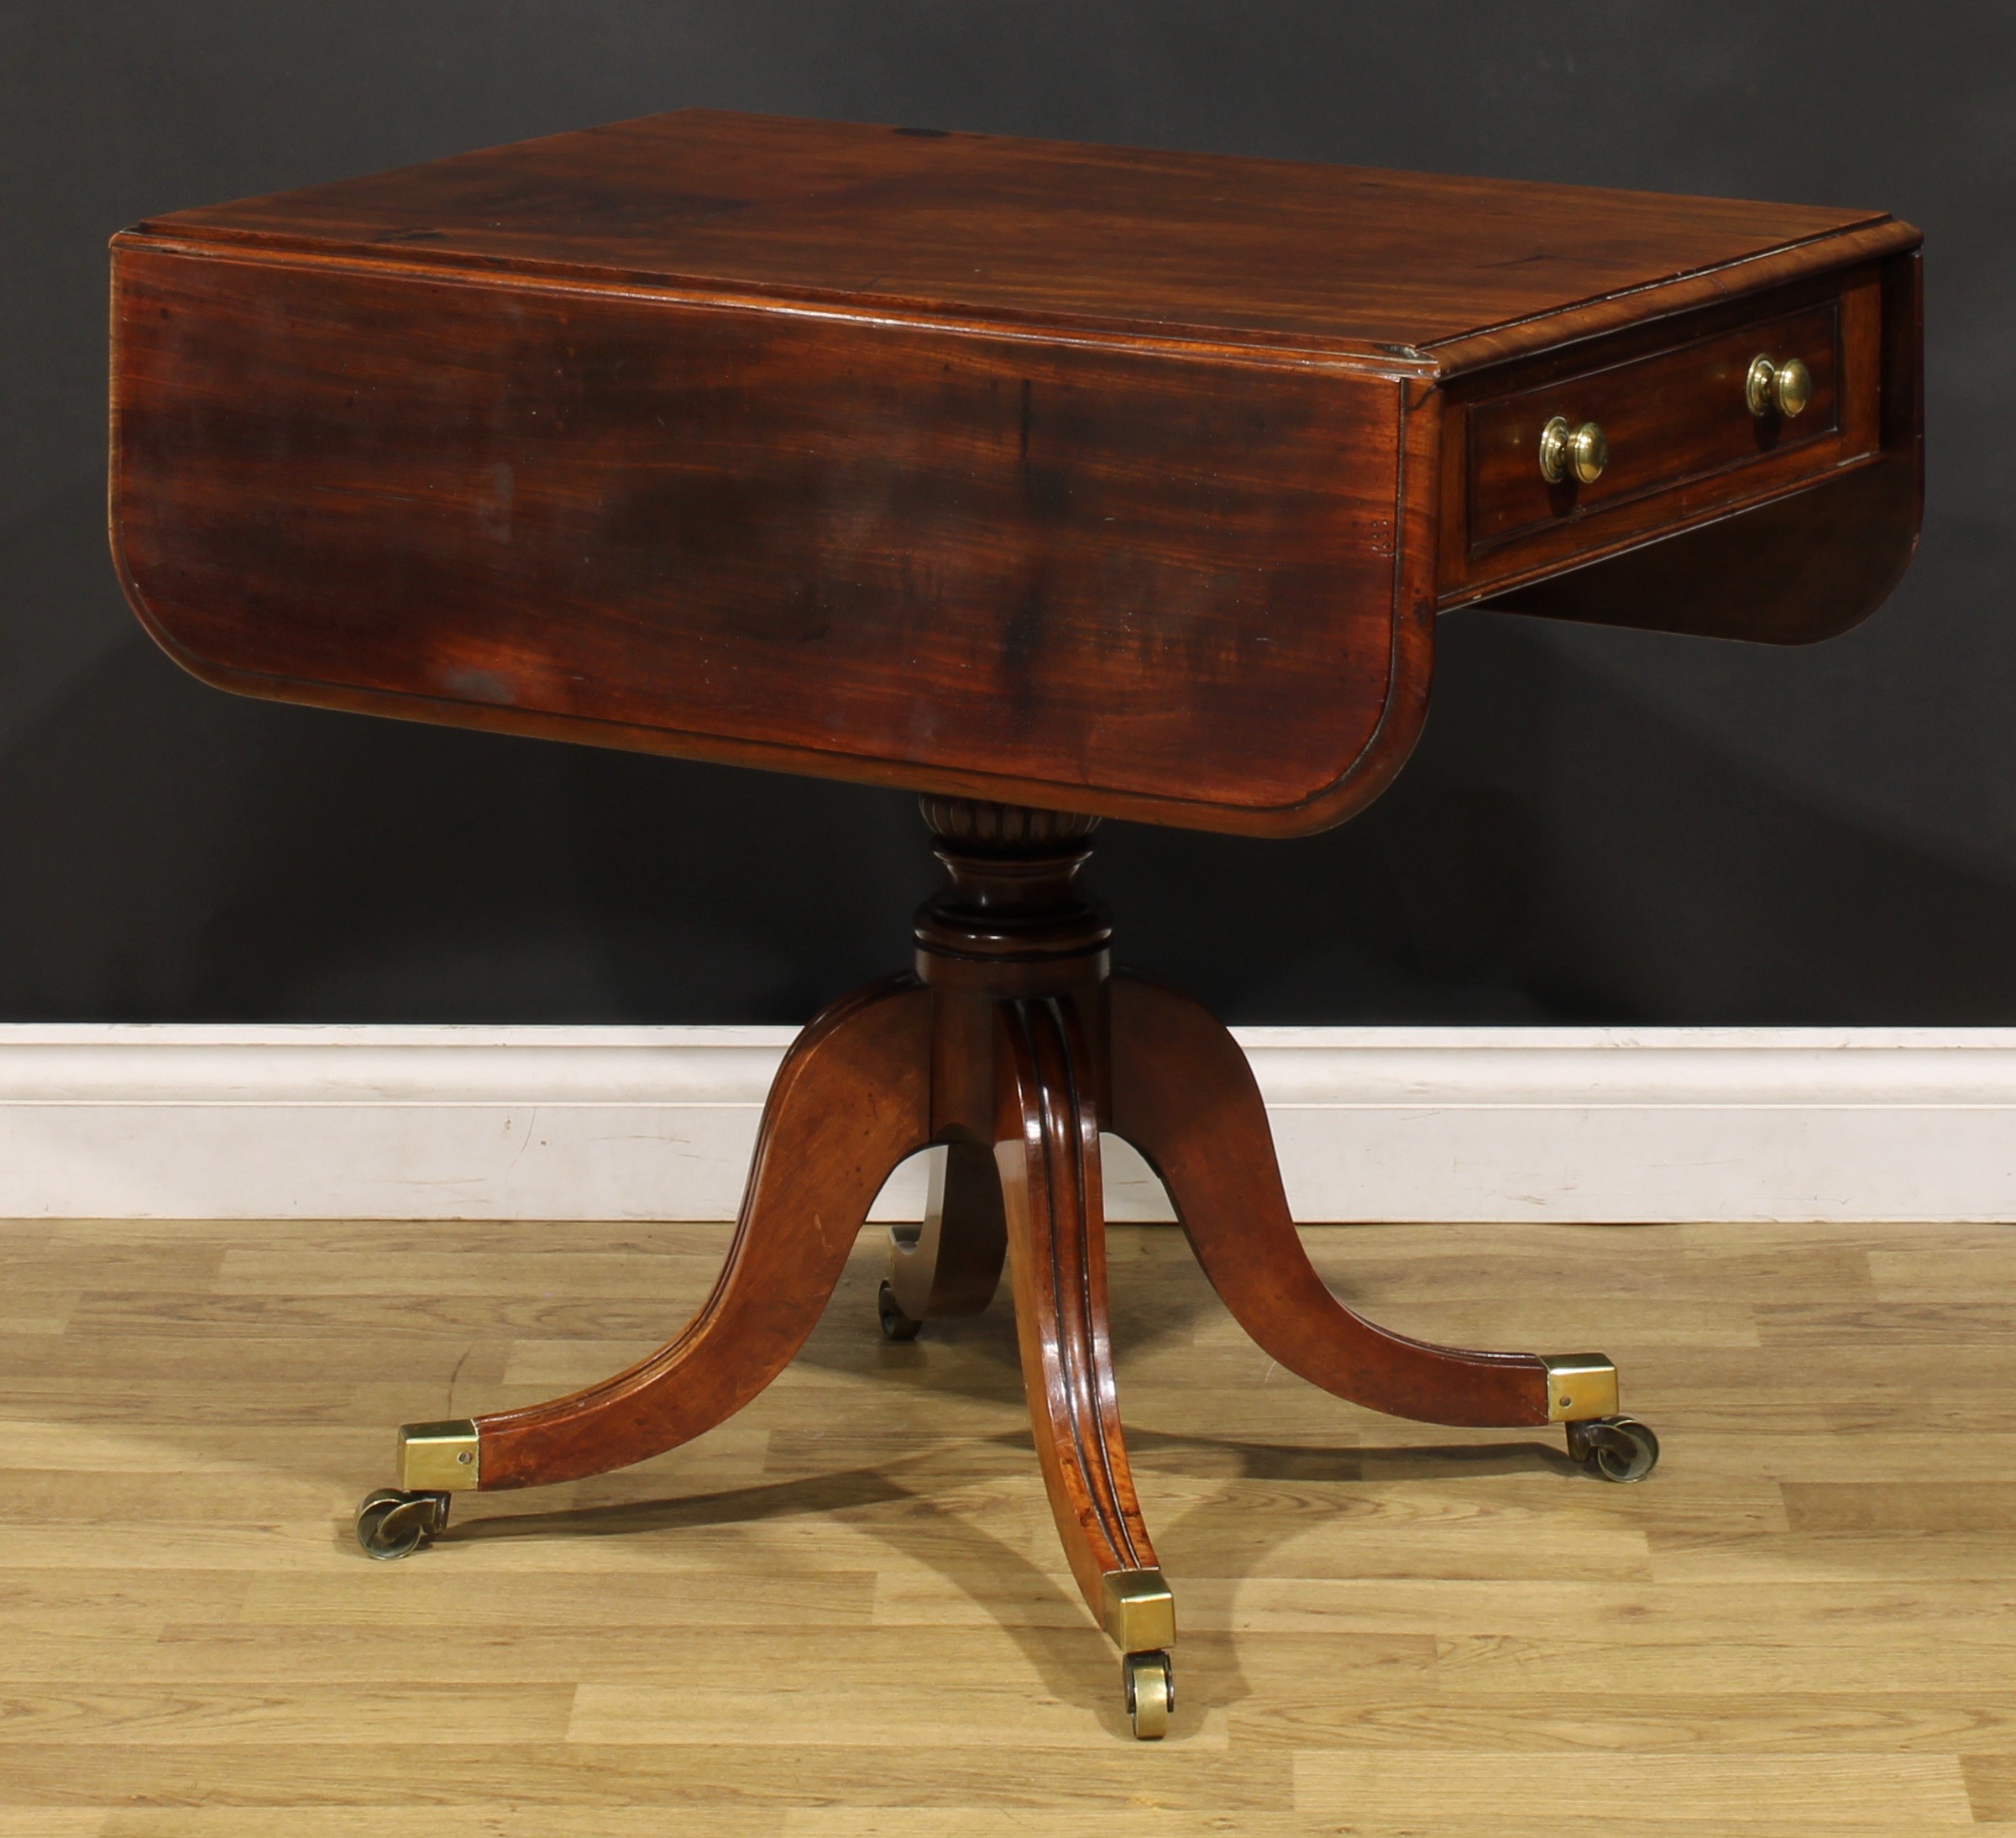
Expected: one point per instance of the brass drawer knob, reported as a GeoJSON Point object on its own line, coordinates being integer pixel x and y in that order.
{"type": "Point", "coordinates": [1581, 451]}
{"type": "Point", "coordinates": [1784, 388]}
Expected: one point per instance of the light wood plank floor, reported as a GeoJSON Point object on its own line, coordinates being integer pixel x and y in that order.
{"type": "Point", "coordinates": [845, 1613]}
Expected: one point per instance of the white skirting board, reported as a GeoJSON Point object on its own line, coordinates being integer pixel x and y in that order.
{"type": "Point", "coordinates": [1575, 1124]}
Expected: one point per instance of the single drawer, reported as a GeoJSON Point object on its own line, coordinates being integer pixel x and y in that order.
{"type": "Point", "coordinates": [1684, 432]}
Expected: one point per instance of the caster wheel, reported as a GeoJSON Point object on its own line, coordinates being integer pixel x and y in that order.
{"type": "Point", "coordinates": [1618, 1447]}
{"type": "Point", "coordinates": [896, 1325]}
{"type": "Point", "coordinates": [1149, 1682]}
{"type": "Point", "coordinates": [391, 1524]}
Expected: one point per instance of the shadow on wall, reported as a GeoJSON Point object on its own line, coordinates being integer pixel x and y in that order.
{"type": "Point", "coordinates": [1555, 852]}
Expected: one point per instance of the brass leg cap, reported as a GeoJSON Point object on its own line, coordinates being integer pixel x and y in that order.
{"type": "Point", "coordinates": [1140, 1612]}
{"type": "Point", "coordinates": [1579, 1386]}
{"type": "Point", "coordinates": [439, 1458]}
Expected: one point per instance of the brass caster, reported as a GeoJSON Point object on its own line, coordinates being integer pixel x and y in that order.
{"type": "Point", "coordinates": [391, 1524]}
{"type": "Point", "coordinates": [1618, 1447]}
{"type": "Point", "coordinates": [896, 1325]}
{"type": "Point", "coordinates": [1150, 1684]}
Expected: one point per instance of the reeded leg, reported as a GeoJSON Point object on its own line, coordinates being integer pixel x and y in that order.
{"type": "Point", "coordinates": [1013, 1048]}
{"type": "Point", "coordinates": [951, 1265]}
{"type": "Point", "coordinates": [851, 1099]}
{"type": "Point", "coordinates": [1184, 1095]}
{"type": "Point", "coordinates": [1048, 1151]}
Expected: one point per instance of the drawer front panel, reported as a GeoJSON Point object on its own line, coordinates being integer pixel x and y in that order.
{"type": "Point", "coordinates": [1668, 419]}
{"type": "Point", "coordinates": [1682, 439]}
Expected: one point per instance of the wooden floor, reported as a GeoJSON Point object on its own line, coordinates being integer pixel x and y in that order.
{"type": "Point", "coordinates": [846, 1612]}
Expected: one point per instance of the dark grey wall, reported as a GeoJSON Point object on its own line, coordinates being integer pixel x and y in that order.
{"type": "Point", "coordinates": [1599, 824]}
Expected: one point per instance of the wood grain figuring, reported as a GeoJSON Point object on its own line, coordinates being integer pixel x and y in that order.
{"type": "Point", "coordinates": [1043, 232]}
{"type": "Point", "coordinates": [851, 1100]}
{"type": "Point", "coordinates": [1185, 1096]}
{"type": "Point", "coordinates": [1565, 331]}
{"type": "Point", "coordinates": [845, 1613]}
{"type": "Point", "coordinates": [954, 1265]}
{"type": "Point", "coordinates": [1048, 1157]}
{"type": "Point", "coordinates": [762, 537]}
{"type": "Point", "coordinates": [1075, 477]}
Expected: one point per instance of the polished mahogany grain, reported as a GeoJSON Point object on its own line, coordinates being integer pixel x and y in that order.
{"type": "Point", "coordinates": [1074, 478]}
{"type": "Point", "coordinates": [849, 1102]}
{"type": "Point", "coordinates": [1108, 571]}
{"type": "Point", "coordinates": [1035, 231]}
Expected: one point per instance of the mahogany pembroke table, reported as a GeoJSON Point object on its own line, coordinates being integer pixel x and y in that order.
{"type": "Point", "coordinates": [1050, 482]}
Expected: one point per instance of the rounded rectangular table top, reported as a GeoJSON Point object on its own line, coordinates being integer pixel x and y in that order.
{"type": "Point", "coordinates": [1099, 479]}
{"type": "Point", "coordinates": [1343, 256]}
